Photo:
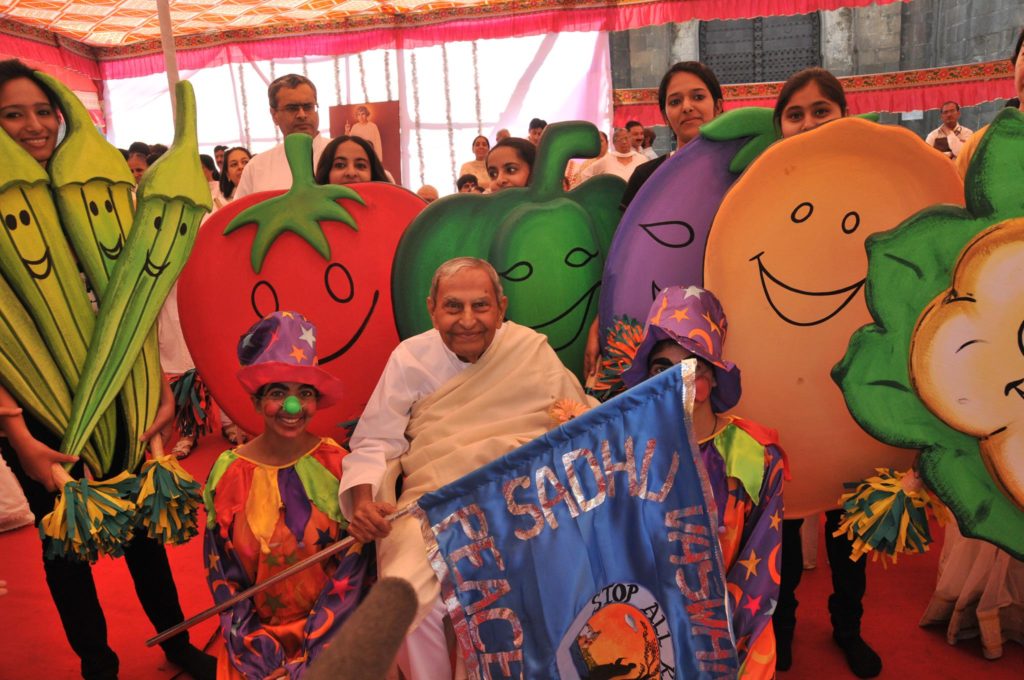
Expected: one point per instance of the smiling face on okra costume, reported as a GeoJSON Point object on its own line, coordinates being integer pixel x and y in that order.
{"type": "Point", "coordinates": [786, 258]}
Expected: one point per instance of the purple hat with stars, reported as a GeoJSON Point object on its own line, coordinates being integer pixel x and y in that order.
{"type": "Point", "coordinates": [281, 348]}
{"type": "Point", "coordinates": [692, 318]}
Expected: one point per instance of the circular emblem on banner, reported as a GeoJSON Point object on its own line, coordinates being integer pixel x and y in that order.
{"type": "Point", "coordinates": [621, 633]}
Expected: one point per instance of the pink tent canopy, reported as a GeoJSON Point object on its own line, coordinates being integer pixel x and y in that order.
{"type": "Point", "coordinates": [85, 42]}
{"type": "Point", "coordinates": [122, 36]}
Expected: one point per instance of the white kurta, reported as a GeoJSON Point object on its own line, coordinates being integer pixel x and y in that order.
{"type": "Point", "coordinates": [371, 133]}
{"type": "Point", "coordinates": [458, 417]}
{"type": "Point", "coordinates": [479, 170]}
{"type": "Point", "coordinates": [609, 164]}
{"type": "Point", "coordinates": [415, 369]}
{"type": "Point", "coordinates": [956, 138]}
{"type": "Point", "coordinates": [269, 171]}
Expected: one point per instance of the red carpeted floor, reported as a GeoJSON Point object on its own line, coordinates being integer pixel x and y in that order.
{"type": "Point", "coordinates": [32, 643]}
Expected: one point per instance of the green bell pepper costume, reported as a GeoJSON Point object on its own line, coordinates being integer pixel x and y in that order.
{"type": "Point", "coordinates": [548, 245]}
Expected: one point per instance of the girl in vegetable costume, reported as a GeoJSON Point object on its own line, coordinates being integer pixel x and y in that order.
{"type": "Point", "coordinates": [348, 159]}
{"type": "Point", "coordinates": [689, 96]}
{"type": "Point", "coordinates": [744, 462]}
{"type": "Point", "coordinates": [30, 118]}
{"type": "Point", "coordinates": [809, 99]}
{"type": "Point", "coordinates": [273, 502]}
{"type": "Point", "coordinates": [510, 163]}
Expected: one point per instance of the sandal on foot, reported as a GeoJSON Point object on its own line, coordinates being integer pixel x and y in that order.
{"type": "Point", "coordinates": [234, 434]}
{"type": "Point", "coordinates": [183, 448]}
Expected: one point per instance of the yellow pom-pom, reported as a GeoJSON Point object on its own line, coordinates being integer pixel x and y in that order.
{"type": "Point", "coordinates": [168, 501]}
{"type": "Point", "coordinates": [91, 518]}
{"type": "Point", "coordinates": [887, 515]}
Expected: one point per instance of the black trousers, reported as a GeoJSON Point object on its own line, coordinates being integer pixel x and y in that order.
{"type": "Point", "coordinates": [74, 591]}
{"type": "Point", "coordinates": [849, 579]}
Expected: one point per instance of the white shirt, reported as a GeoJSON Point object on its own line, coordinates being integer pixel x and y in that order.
{"type": "Point", "coordinates": [609, 165]}
{"type": "Point", "coordinates": [955, 138]}
{"type": "Point", "coordinates": [175, 358]}
{"type": "Point", "coordinates": [649, 153]}
{"type": "Point", "coordinates": [174, 355]}
{"type": "Point", "coordinates": [370, 133]}
{"type": "Point", "coordinates": [416, 369]}
{"type": "Point", "coordinates": [269, 171]}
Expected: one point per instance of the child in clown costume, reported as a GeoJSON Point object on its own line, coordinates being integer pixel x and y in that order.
{"type": "Point", "coordinates": [274, 501]}
{"type": "Point", "coordinates": [744, 462]}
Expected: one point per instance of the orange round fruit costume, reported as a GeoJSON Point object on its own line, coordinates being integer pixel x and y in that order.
{"type": "Point", "coordinates": [786, 258]}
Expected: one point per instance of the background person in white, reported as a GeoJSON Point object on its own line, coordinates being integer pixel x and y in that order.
{"type": "Point", "coordinates": [636, 135]}
{"type": "Point", "coordinates": [366, 129]}
{"type": "Point", "coordinates": [293, 107]}
{"type": "Point", "coordinates": [449, 401]}
{"type": "Point", "coordinates": [621, 160]}
{"type": "Point", "coordinates": [951, 130]}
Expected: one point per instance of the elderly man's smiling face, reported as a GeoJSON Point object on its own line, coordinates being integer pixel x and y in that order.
{"type": "Point", "coordinates": [467, 312]}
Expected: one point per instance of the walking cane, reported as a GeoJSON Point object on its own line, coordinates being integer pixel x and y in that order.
{"type": "Point", "coordinates": [315, 558]}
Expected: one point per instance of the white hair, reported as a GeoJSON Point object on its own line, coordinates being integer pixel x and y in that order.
{"type": "Point", "coordinates": [457, 264]}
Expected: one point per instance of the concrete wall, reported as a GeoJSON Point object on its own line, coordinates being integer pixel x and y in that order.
{"type": "Point", "coordinates": [872, 39]}
{"type": "Point", "coordinates": [949, 32]}
{"type": "Point", "coordinates": [837, 53]}
{"type": "Point", "coordinates": [649, 51]}
{"type": "Point", "coordinates": [641, 56]}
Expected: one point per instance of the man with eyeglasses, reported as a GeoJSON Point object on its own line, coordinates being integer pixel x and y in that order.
{"type": "Point", "coordinates": [293, 107]}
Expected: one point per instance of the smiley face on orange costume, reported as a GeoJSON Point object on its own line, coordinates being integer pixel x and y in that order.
{"type": "Point", "coordinates": [786, 258]}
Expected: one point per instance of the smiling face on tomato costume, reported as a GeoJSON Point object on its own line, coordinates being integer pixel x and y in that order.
{"type": "Point", "coordinates": [346, 295]}
{"type": "Point", "coordinates": [786, 258]}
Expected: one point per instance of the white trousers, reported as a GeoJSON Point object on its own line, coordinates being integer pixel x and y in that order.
{"type": "Point", "coordinates": [424, 654]}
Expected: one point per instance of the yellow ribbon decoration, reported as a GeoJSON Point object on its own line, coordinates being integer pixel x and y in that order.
{"type": "Point", "coordinates": [263, 506]}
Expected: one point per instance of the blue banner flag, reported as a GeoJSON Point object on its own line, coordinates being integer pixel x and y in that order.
{"type": "Point", "coordinates": [590, 552]}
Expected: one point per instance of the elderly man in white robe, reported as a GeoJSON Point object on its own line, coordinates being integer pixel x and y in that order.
{"type": "Point", "coordinates": [449, 401]}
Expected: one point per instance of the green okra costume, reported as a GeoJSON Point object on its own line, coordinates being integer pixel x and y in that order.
{"type": "Point", "coordinates": [95, 203]}
{"type": "Point", "coordinates": [66, 364]}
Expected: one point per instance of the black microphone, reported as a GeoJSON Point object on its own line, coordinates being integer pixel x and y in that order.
{"type": "Point", "coordinates": [368, 642]}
